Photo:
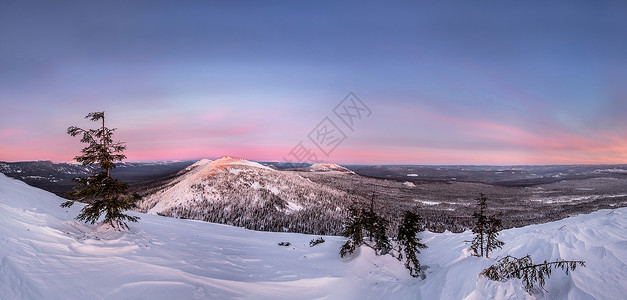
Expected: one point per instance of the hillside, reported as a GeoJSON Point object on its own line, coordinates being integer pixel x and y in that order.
{"type": "Point", "coordinates": [57, 177]}
{"type": "Point", "coordinates": [445, 195]}
{"type": "Point", "coordinates": [327, 167]}
{"type": "Point", "coordinates": [46, 254]}
{"type": "Point", "coordinates": [247, 194]}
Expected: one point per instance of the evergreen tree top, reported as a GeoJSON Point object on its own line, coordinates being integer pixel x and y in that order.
{"type": "Point", "coordinates": [101, 148]}
{"type": "Point", "coordinates": [482, 202]}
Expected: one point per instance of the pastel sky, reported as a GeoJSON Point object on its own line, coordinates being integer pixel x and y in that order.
{"type": "Point", "coordinates": [463, 82]}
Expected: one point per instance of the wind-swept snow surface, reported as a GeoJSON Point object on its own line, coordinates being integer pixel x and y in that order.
{"type": "Point", "coordinates": [45, 254]}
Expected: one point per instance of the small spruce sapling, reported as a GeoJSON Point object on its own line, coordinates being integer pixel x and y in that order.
{"type": "Point", "coordinates": [317, 241]}
{"type": "Point", "coordinates": [530, 273]}
{"type": "Point", "coordinates": [353, 230]}
{"type": "Point", "coordinates": [409, 245]}
{"type": "Point", "coordinates": [382, 241]}
{"type": "Point", "coordinates": [486, 230]}
{"type": "Point", "coordinates": [494, 226]}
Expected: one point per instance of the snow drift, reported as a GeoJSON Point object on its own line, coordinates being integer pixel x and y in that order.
{"type": "Point", "coordinates": [45, 254]}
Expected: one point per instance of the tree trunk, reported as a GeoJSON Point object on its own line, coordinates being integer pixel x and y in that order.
{"type": "Point", "coordinates": [482, 231]}
{"type": "Point", "coordinates": [104, 140]}
{"type": "Point", "coordinates": [481, 242]}
{"type": "Point", "coordinates": [487, 242]}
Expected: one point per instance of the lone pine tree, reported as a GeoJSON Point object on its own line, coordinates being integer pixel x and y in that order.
{"type": "Point", "coordinates": [530, 273]}
{"type": "Point", "coordinates": [409, 245]}
{"type": "Point", "coordinates": [105, 194]}
{"type": "Point", "coordinates": [486, 229]}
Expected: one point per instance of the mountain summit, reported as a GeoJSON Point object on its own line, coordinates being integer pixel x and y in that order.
{"type": "Point", "coordinates": [328, 167]}
{"type": "Point", "coordinates": [239, 192]}
{"type": "Point", "coordinates": [205, 168]}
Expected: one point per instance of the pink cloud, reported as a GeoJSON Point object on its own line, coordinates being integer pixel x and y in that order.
{"type": "Point", "coordinates": [7, 133]}
{"type": "Point", "coordinates": [541, 144]}
{"type": "Point", "coordinates": [466, 141]}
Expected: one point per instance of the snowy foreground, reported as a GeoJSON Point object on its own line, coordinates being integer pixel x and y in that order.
{"type": "Point", "coordinates": [45, 254]}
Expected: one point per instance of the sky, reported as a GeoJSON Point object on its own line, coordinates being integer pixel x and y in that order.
{"type": "Point", "coordinates": [354, 82]}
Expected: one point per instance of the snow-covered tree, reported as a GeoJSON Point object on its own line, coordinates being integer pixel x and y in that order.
{"type": "Point", "coordinates": [486, 229]}
{"type": "Point", "coordinates": [103, 193]}
{"type": "Point", "coordinates": [382, 242]}
{"type": "Point", "coordinates": [530, 273]}
{"type": "Point", "coordinates": [317, 241]}
{"type": "Point", "coordinates": [494, 226]}
{"type": "Point", "coordinates": [366, 223]}
{"type": "Point", "coordinates": [376, 229]}
{"type": "Point", "coordinates": [353, 230]}
{"type": "Point", "coordinates": [408, 244]}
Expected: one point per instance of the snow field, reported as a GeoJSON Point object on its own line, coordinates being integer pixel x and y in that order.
{"type": "Point", "coordinates": [45, 254]}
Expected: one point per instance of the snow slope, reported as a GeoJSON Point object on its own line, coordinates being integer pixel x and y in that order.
{"type": "Point", "coordinates": [45, 254]}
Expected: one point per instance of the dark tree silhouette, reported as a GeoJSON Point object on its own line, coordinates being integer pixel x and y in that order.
{"type": "Point", "coordinates": [494, 226]}
{"type": "Point", "coordinates": [486, 229]}
{"type": "Point", "coordinates": [362, 223]}
{"type": "Point", "coordinates": [317, 241]}
{"type": "Point", "coordinates": [353, 230]}
{"type": "Point", "coordinates": [409, 245]}
{"type": "Point", "coordinates": [105, 194]}
{"type": "Point", "coordinates": [530, 273]}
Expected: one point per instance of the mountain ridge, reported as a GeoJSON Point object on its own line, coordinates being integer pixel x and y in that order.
{"type": "Point", "coordinates": [239, 192]}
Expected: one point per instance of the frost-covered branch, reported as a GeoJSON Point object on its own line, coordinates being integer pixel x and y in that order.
{"type": "Point", "coordinates": [530, 273]}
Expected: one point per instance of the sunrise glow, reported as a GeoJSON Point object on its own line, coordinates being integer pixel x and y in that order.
{"type": "Point", "coordinates": [445, 84]}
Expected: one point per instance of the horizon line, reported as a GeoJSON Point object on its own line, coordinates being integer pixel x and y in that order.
{"type": "Point", "coordinates": [338, 163]}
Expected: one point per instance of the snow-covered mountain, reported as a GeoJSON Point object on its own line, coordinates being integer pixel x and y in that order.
{"type": "Point", "coordinates": [45, 254]}
{"type": "Point", "coordinates": [327, 167]}
{"type": "Point", "coordinates": [58, 177]}
{"type": "Point", "coordinates": [244, 193]}
{"type": "Point", "coordinates": [44, 168]}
